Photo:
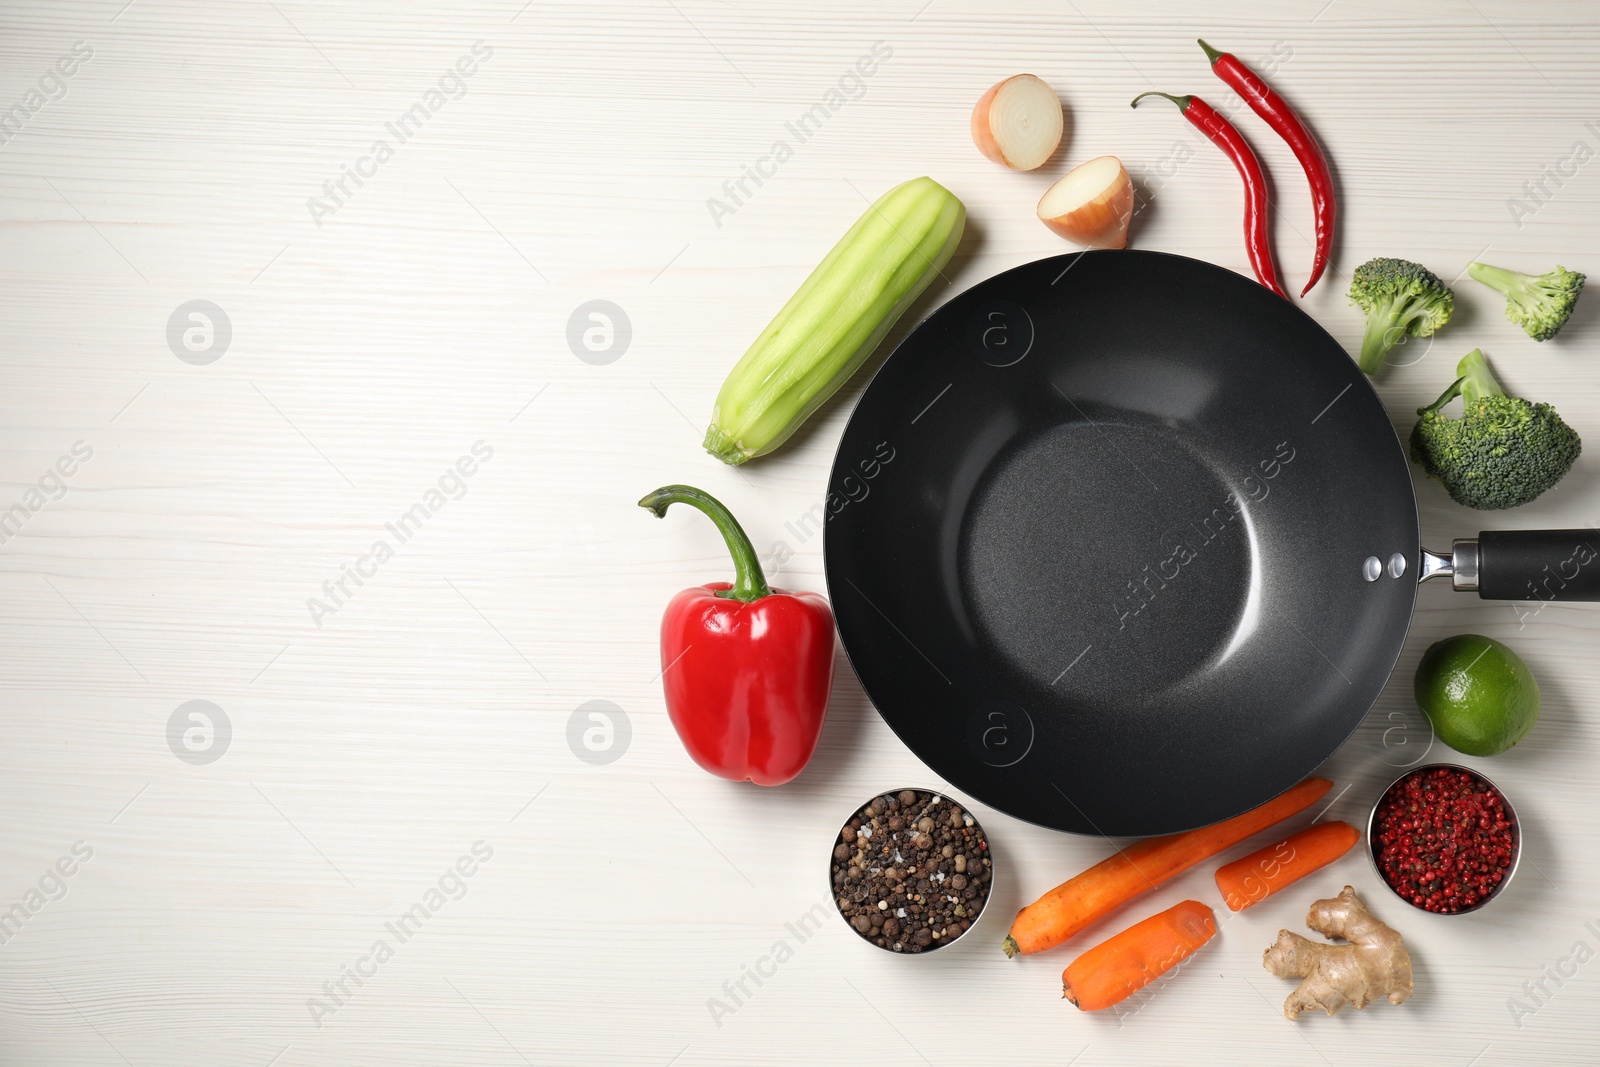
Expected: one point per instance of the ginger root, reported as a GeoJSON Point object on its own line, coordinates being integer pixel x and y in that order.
{"type": "Point", "coordinates": [1374, 963]}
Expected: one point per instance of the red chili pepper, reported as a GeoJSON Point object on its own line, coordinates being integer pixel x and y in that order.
{"type": "Point", "coordinates": [746, 668]}
{"type": "Point", "coordinates": [1277, 113]}
{"type": "Point", "coordinates": [1205, 118]}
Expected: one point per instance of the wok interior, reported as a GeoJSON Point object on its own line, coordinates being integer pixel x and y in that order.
{"type": "Point", "coordinates": [1116, 585]}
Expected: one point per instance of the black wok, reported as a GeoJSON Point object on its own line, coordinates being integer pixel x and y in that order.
{"type": "Point", "coordinates": [1121, 543]}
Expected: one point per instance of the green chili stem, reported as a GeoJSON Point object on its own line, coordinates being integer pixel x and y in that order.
{"type": "Point", "coordinates": [1183, 102]}
{"type": "Point", "coordinates": [749, 583]}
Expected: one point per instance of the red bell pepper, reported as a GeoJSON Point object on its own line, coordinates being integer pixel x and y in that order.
{"type": "Point", "coordinates": [746, 668]}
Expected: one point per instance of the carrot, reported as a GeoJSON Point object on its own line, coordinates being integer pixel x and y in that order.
{"type": "Point", "coordinates": [1259, 875]}
{"type": "Point", "coordinates": [1115, 880]}
{"type": "Point", "coordinates": [1125, 963]}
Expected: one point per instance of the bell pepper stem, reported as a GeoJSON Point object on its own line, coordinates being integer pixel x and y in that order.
{"type": "Point", "coordinates": [749, 583]}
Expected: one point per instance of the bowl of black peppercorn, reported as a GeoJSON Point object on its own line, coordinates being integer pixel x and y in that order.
{"type": "Point", "coordinates": [911, 871]}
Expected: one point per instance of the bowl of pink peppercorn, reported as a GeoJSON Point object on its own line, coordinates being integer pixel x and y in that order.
{"type": "Point", "coordinates": [1444, 838]}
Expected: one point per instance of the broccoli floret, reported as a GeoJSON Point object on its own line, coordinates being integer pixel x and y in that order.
{"type": "Point", "coordinates": [1502, 452]}
{"type": "Point", "coordinates": [1400, 297]}
{"type": "Point", "coordinates": [1539, 303]}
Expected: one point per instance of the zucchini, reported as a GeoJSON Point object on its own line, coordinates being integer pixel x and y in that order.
{"type": "Point", "coordinates": [832, 324]}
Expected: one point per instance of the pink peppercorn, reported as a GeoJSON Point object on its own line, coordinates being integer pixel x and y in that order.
{"type": "Point", "coordinates": [1443, 839]}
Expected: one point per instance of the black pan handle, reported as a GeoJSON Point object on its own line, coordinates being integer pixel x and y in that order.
{"type": "Point", "coordinates": [1529, 565]}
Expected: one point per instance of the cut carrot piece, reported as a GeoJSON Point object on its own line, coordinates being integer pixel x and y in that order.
{"type": "Point", "coordinates": [1114, 881]}
{"type": "Point", "coordinates": [1125, 963]}
{"type": "Point", "coordinates": [1259, 875]}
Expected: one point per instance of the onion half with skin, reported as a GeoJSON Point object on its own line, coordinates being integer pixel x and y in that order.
{"type": "Point", "coordinates": [1091, 204]}
{"type": "Point", "coordinates": [1018, 122]}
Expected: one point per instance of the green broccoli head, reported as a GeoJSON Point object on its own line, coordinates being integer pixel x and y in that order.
{"type": "Point", "coordinates": [1502, 452]}
{"type": "Point", "coordinates": [1400, 297]}
{"type": "Point", "coordinates": [1539, 303]}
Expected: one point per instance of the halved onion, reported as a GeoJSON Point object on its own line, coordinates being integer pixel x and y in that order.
{"type": "Point", "coordinates": [1018, 122]}
{"type": "Point", "coordinates": [1091, 204]}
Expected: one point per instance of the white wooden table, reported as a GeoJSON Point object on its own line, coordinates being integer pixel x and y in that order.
{"type": "Point", "coordinates": [231, 882]}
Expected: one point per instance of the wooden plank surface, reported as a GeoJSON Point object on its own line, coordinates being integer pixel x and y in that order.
{"type": "Point", "coordinates": [382, 332]}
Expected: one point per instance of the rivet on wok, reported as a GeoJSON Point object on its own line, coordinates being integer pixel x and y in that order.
{"type": "Point", "coordinates": [1397, 565]}
{"type": "Point", "coordinates": [1372, 568]}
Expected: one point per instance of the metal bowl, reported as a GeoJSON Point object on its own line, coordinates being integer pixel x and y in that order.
{"type": "Point", "coordinates": [943, 942]}
{"type": "Point", "coordinates": [1373, 846]}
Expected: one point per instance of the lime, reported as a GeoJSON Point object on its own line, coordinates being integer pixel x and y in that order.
{"type": "Point", "coordinates": [1478, 694]}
